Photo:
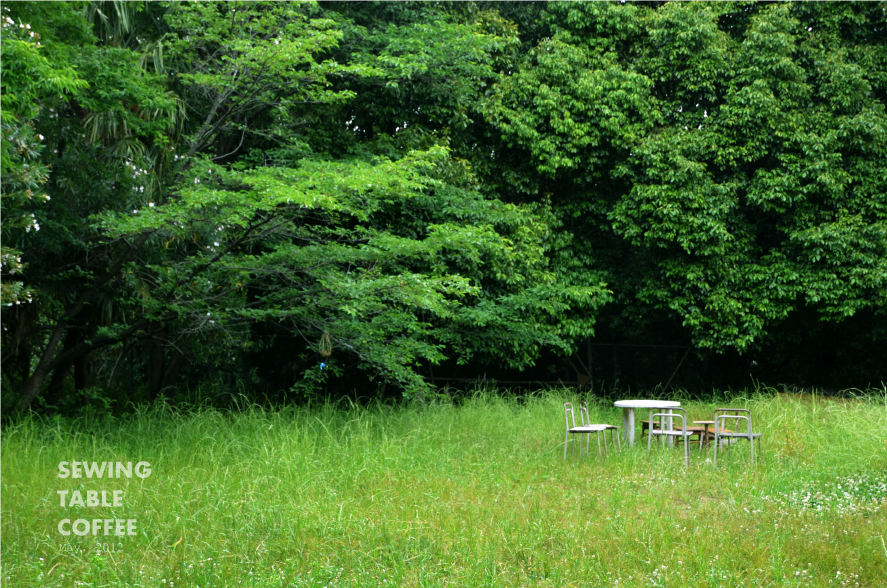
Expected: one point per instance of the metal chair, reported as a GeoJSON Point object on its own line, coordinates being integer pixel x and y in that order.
{"type": "Point", "coordinates": [585, 428]}
{"type": "Point", "coordinates": [722, 433]}
{"type": "Point", "coordinates": [583, 416]}
{"type": "Point", "coordinates": [659, 429]}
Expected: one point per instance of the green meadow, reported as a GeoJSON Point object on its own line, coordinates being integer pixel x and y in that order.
{"type": "Point", "coordinates": [469, 494]}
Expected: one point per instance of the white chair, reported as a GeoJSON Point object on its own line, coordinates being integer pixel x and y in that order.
{"type": "Point", "coordinates": [722, 433]}
{"type": "Point", "coordinates": [663, 429]}
{"type": "Point", "coordinates": [585, 428]}
{"type": "Point", "coordinates": [614, 436]}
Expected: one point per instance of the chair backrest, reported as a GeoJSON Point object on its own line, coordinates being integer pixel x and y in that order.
{"type": "Point", "coordinates": [728, 413]}
{"type": "Point", "coordinates": [677, 413]}
{"type": "Point", "coordinates": [569, 417]}
{"type": "Point", "coordinates": [583, 414]}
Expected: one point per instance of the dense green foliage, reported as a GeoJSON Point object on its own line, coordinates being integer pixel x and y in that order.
{"type": "Point", "coordinates": [30, 81]}
{"type": "Point", "coordinates": [723, 161]}
{"type": "Point", "coordinates": [250, 190]}
{"type": "Point", "coordinates": [736, 151]}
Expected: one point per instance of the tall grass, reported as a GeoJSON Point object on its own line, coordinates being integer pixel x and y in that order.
{"type": "Point", "coordinates": [470, 495]}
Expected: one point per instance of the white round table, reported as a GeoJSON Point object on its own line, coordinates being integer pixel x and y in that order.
{"type": "Point", "coordinates": [628, 407]}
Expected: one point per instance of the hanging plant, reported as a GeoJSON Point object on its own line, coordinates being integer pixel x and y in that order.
{"type": "Point", "coordinates": [325, 347]}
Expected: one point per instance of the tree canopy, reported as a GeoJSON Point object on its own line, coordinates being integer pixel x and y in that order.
{"type": "Point", "coordinates": [246, 191]}
{"type": "Point", "coordinates": [744, 166]}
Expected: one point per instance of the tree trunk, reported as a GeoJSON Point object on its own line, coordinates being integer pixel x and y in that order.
{"type": "Point", "coordinates": [31, 387]}
{"type": "Point", "coordinates": [60, 372]}
{"type": "Point", "coordinates": [25, 352]}
{"type": "Point", "coordinates": [84, 372]}
{"type": "Point", "coordinates": [57, 384]}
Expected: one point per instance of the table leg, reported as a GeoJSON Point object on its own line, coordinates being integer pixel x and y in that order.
{"type": "Point", "coordinates": [669, 426]}
{"type": "Point", "coordinates": [628, 425]}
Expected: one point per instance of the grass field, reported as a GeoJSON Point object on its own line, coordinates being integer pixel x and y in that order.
{"type": "Point", "coordinates": [441, 495]}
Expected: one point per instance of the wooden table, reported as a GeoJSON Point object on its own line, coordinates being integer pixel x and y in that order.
{"type": "Point", "coordinates": [628, 407]}
{"type": "Point", "coordinates": [705, 425]}
{"type": "Point", "coordinates": [710, 432]}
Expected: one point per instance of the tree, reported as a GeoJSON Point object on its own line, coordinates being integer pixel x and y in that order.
{"type": "Point", "coordinates": [729, 155]}
{"type": "Point", "coordinates": [29, 81]}
{"type": "Point", "coordinates": [104, 138]}
{"type": "Point", "coordinates": [309, 250]}
{"type": "Point", "coordinates": [202, 228]}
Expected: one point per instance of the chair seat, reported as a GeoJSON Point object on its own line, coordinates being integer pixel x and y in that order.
{"type": "Point", "coordinates": [672, 433]}
{"type": "Point", "coordinates": [702, 432]}
{"type": "Point", "coordinates": [737, 434]}
{"type": "Point", "coordinates": [590, 429]}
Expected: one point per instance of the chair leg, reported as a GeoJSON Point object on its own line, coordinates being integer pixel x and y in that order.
{"type": "Point", "coordinates": [606, 447]}
{"type": "Point", "coordinates": [717, 442]}
{"type": "Point", "coordinates": [566, 438]}
{"type": "Point", "coordinates": [751, 442]}
{"type": "Point", "coordinates": [598, 437]}
{"type": "Point", "coordinates": [618, 438]}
